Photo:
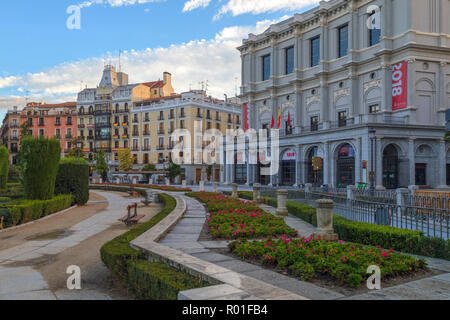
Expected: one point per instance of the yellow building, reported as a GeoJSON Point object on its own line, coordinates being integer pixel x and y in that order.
{"type": "Point", "coordinates": [104, 112]}
{"type": "Point", "coordinates": [154, 120]}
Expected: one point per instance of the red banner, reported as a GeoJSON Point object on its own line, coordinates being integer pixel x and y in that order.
{"type": "Point", "coordinates": [246, 125]}
{"type": "Point", "coordinates": [400, 86]}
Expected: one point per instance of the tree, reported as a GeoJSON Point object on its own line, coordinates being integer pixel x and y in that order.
{"type": "Point", "coordinates": [101, 167]}
{"type": "Point", "coordinates": [126, 160]}
{"type": "Point", "coordinates": [148, 167]}
{"type": "Point", "coordinates": [39, 161]}
{"type": "Point", "coordinates": [73, 178]}
{"type": "Point", "coordinates": [25, 130]}
{"type": "Point", "coordinates": [174, 170]}
{"type": "Point", "coordinates": [4, 167]}
{"type": "Point", "coordinates": [73, 152]}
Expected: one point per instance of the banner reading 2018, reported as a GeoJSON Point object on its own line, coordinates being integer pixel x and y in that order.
{"type": "Point", "coordinates": [400, 86]}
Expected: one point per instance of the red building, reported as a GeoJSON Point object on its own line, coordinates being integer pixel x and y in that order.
{"type": "Point", "coordinates": [52, 121]}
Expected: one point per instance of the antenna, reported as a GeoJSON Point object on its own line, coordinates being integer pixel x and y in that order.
{"type": "Point", "coordinates": [206, 86]}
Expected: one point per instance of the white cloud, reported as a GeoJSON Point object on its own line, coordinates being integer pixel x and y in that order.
{"type": "Point", "coordinates": [216, 60]}
{"type": "Point", "coordinates": [194, 4]}
{"type": "Point", "coordinates": [115, 3]}
{"type": "Point", "coordinates": [238, 7]}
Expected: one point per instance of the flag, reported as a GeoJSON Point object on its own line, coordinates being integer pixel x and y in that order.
{"type": "Point", "coordinates": [289, 119]}
{"type": "Point", "coordinates": [279, 118]}
{"type": "Point", "coordinates": [273, 123]}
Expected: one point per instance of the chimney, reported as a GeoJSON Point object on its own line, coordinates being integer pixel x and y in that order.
{"type": "Point", "coordinates": [167, 78]}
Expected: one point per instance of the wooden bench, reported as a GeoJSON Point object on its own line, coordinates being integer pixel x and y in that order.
{"type": "Point", "coordinates": [129, 219]}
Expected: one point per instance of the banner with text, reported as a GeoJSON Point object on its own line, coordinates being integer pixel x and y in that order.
{"type": "Point", "coordinates": [400, 86]}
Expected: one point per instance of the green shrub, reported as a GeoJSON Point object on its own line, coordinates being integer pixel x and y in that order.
{"type": "Point", "coordinates": [4, 167]}
{"type": "Point", "coordinates": [39, 160]}
{"type": "Point", "coordinates": [73, 178]}
{"type": "Point", "coordinates": [4, 199]}
{"type": "Point", "coordinates": [158, 281]}
{"type": "Point", "coordinates": [403, 240]}
{"type": "Point", "coordinates": [14, 174]}
{"type": "Point", "coordinates": [30, 210]}
{"type": "Point", "coordinates": [147, 280]}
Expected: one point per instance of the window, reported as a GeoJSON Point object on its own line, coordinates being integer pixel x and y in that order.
{"type": "Point", "coordinates": [374, 33]}
{"type": "Point", "coordinates": [315, 51]}
{"type": "Point", "coordinates": [343, 41]}
{"type": "Point", "coordinates": [289, 52]}
{"type": "Point", "coordinates": [41, 132]}
{"type": "Point", "coordinates": [266, 67]}
{"type": "Point", "coordinates": [315, 123]}
{"type": "Point", "coordinates": [342, 118]}
{"type": "Point", "coordinates": [374, 108]}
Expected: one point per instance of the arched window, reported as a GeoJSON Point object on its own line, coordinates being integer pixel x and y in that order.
{"type": "Point", "coordinates": [345, 166]}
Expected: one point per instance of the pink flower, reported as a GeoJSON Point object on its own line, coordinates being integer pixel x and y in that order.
{"type": "Point", "coordinates": [341, 242]}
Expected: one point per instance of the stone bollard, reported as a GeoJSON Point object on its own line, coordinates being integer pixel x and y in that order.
{"type": "Point", "coordinates": [351, 192]}
{"type": "Point", "coordinates": [402, 195]}
{"type": "Point", "coordinates": [100, 180]}
{"type": "Point", "coordinates": [235, 193]}
{"type": "Point", "coordinates": [184, 183]}
{"type": "Point", "coordinates": [167, 182]}
{"type": "Point", "coordinates": [202, 186]}
{"type": "Point", "coordinates": [256, 193]}
{"type": "Point", "coordinates": [134, 181]}
{"type": "Point", "coordinates": [117, 180]}
{"type": "Point", "coordinates": [215, 187]}
{"type": "Point", "coordinates": [325, 220]}
{"type": "Point", "coordinates": [282, 199]}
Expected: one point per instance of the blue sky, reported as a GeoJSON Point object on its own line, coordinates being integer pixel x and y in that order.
{"type": "Point", "coordinates": [41, 58]}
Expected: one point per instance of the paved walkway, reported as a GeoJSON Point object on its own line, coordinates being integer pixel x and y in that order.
{"type": "Point", "coordinates": [25, 283]}
{"type": "Point", "coordinates": [185, 235]}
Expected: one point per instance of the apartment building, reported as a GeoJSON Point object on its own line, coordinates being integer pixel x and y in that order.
{"type": "Point", "coordinates": [104, 112]}
{"type": "Point", "coordinates": [153, 122]}
{"type": "Point", "coordinates": [352, 79]}
{"type": "Point", "coordinates": [10, 133]}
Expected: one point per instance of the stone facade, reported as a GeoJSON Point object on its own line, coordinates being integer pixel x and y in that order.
{"type": "Point", "coordinates": [333, 95]}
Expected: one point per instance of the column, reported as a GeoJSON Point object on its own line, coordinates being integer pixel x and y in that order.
{"type": "Point", "coordinates": [298, 168]}
{"type": "Point", "coordinates": [387, 86]}
{"type": "Point", "coordinates": [324, 100]}
{"type": "Point", "coordinates": [442, 89]}
{"type": "Point", "coordinates": [358, 160]}
{"type": "Point", "coordinates": [327, 172]}
{"type": "Point", "coordinates": [441, 162]}
{"type": "Point", "coordinates": [378, 164]}
{"type": "Point", "coordinates": [412, 162]}
{"type": "Point", "coordinates": [410, 85]}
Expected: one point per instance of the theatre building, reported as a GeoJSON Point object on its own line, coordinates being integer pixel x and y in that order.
{"type": "Point", "coordinates": [360, 86]}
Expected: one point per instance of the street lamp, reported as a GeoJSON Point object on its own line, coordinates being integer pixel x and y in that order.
{"type": "Point", "coordinates": [372, 133]}
{"type": "Point", "coordinates": [79, 145]}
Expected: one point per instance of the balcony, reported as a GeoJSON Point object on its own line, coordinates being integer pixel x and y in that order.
{"type": "Point", "coordinates": [171, 117]}
{"type": "Point", "coordinates": [147, 133]}
{"type": "Point", "coordinates": [171, 130]}
{"type": "Point", "coordinates": [116, 137]}
{"type": "Point", "coordinates": [90, 137]}
{"type": "Point", "coordinates": [14, 125]}
{"type": "Point", "coordinates": [102, 112]}
{"type": "Point", "coordinates": [160, 148]}
{"type": "Point", "coordinates": [81, 138]}
{"type": "Point", "coordinates": [57, 137]}
{"type": "Point", "coordinates": [135, 149]}
{"type": "Point", "coordinates": [103, 125]}
{"type": "Point", "coordinates": [105, 137]}
{"type": "Point", "coordinates": [199, 116]}
{"type": "Point", "coordinates": [41, 124]}
{"type": "Point", "coordinates": [135, 120]}
{"type": "Point", "coordinates": [69, 123]}
{"type": "Point", "coordinates": [135, 133]}
{"type": "Point", "coordinates": [182, 115]}
{"type": "Point", "coordinates": [57, 124]}
{"type": "Point", "coordinates": [161, 118]}
{"type": "Point", "coordinates": [125, 136]}
{"type": "Point", "coordinates": [146, 148]}
{"type": "Point", "coordinates": [14, 139]}
{"type": "Point", "coordinates": [68, 137]}
{"type": "Point", "coordinates": [147, 120]}
{"type": "Point", "coordinates": [81, 126]}
{"type": "Point", "coordinates": [125, 124]}
{"type": "Point", "coordinates": [161, 131]}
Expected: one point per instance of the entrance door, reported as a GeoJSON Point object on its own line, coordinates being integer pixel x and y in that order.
{"type": "Point", "coordinates": [345, 166]}
{"type": "Point", "coordinates": [198, 175]}
{"type": "Point", "coordinates": [421, 174]}
{"type": "Point", "coordinates": [390, 167]}
{"type": "Point", "coordinates": [315, 167]}
{"type": "Point", "coordinates": [288, 173]}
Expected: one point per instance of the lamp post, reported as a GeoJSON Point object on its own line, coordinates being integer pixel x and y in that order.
{"type": "Point", "coordinates": [372, 133]}
{"type": "Point", "coordinates": [79, 145]}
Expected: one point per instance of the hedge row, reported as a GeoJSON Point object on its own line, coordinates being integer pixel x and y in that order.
{"type": "Point", "coordinates": [73, 178]}
{"type": "Point", "coordinates": [146, 280]}
{"type": "Point", "coordinates": [403, 240]}
{"type": "Point", "coordinates": [4, 167]}
{"type": "Point", "coordinates": [141, 192]}
{"type": "Point", "coordinates": [30, 210]}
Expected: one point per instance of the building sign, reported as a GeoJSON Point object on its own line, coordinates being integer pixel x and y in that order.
{"type": "Point", "coordinates": [289, 155]}
{"type": "Point", "coordinates": [246, 124]}
{"type": "Point", "coordinates": [317, 163]}
{"type": "Point", "coordinates": [400, 86]}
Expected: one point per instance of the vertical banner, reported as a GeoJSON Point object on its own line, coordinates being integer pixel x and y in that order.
{"type": "Point", "coordinates": [400, 86]}
{"type": "Point", "coordinates": [246, 122]}
{"type": "Point", "coordinates": [279, 118]}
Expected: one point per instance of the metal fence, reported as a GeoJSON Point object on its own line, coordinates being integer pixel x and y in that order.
{"type": "Point", "coordinates": [433, 222]}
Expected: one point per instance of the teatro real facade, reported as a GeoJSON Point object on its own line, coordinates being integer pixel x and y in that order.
{"type": "Point", "coordinates": [340, 70]}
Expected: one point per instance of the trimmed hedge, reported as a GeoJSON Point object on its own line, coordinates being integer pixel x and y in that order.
{"type": "Point", "coordinates": [73, 178]}
{"type": "Point", "coordinates": [146, 280]}
{"type": "Point", "coordinates": [4, 167]}
{"type": "Point", "coordinates": [403, 240]}
{"type": "Point", "coordinates": [141, 192]}
{"type": "Point", "coordinates": [39, 160]}
{"type": "Point", "coordinates": [30, 210]}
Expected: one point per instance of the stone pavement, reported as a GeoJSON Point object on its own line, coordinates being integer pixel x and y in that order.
{"type": "Point", "coordinates": [25, 283]}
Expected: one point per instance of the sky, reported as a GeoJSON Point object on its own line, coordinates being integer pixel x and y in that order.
{"type": "Point", "coordinates": [44, 58]}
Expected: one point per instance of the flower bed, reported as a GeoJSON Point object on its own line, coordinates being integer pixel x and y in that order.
{"type": "Point", "coordinates": [235, 219]}
{"type": "Point", "coordinates": [149, 186]}
{"type": "Point", "coordinates": [346, 263]}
